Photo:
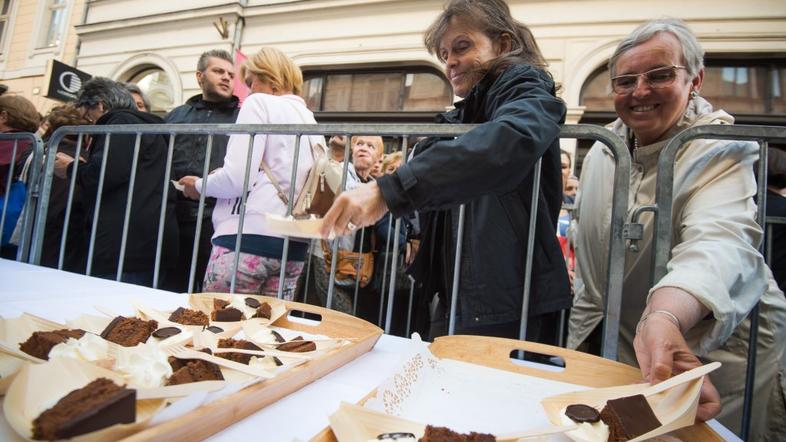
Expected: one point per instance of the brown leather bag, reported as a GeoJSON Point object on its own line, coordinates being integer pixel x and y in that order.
{"type": "Point", "coordinates": [351, 266]}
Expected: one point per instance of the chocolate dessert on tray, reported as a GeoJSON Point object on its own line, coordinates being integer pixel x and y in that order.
{"type": "Point", "coordinates": [156, 360]}
{"type": "Point", "coordinates": [471, 384]}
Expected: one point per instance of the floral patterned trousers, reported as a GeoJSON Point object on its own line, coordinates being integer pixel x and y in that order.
{"type": "Point", "coordinates": [255, 274]}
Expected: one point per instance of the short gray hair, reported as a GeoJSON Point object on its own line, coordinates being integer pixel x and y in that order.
{"type": "Point", "coordinates": [692, 52]}
{"type": "Point", "coordinates": [217, 53]}
{"type": "Point", "coordinates": [112, 94]}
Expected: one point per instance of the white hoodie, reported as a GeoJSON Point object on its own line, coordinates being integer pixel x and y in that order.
{"type": "Point", "coordinates": [226, 183]}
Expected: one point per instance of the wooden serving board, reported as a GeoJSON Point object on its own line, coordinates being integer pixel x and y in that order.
{"type": "Point", "coordinates": [580, 369]}
{"type": "Point", "coordinates": [215, 416]}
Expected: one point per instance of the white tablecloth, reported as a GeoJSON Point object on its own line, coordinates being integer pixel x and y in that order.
{"type": "Point", "coordinates": [59, 295]}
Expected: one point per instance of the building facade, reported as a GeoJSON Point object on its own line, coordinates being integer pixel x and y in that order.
{"type": "Point", "coordinates": [364, 60]}
{"type": "Point", "coordinates": [32, 32]}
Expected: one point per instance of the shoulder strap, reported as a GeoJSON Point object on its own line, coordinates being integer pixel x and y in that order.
{"type": "Point", "coordinates": [266, 169]}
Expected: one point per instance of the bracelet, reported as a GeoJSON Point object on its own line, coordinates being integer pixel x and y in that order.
{"type": "Point", "coordinates": [671, 316]}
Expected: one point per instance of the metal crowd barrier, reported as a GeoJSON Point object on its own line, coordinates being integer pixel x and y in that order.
{"type": "Point", "coordinates": [619, 207]}
{"type": "Point", "coordinates": [662, 234]}
{"type": "Point", "coordinates": [32, 182]}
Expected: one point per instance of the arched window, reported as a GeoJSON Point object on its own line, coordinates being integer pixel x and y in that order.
{"type": "Point", "coordinates": [155, 84]}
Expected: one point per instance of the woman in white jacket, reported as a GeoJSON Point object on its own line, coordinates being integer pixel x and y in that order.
{"type": "Point", "coordinates": [275, 83]}
{"type": "Point", "coordinates": [697, 312]}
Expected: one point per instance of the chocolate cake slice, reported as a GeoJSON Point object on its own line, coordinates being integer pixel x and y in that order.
{"type": "Point", "coordinates": [237, 343]}
{"type": "Point", "coordinates": [97, 405]}
{"type": "Point", "coordinates": [129, 332]}
{"type": "Point", "coordinates": [40, 343]}
{"type": "Point", "coordinates": [297, 345]}
{"type": "Point", "coordinates": [264, 311]}
{"type": "Point", "coordinates": [629, 417]}
{"type": "Point", "coordinates": [187, 316]}
{"type": "Point", "coordinates": [442, 434]}
{"type": "Point", "coordinates": [227, 314]}
{"type": "Point", "coordinates": [194, 370]}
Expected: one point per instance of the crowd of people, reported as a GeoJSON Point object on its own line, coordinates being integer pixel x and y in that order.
{"type": "Point", "coordinates": [697, 313]}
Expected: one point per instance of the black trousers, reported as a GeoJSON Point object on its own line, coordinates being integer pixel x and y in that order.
{"type": "Point", "coordinates": [177, 276]}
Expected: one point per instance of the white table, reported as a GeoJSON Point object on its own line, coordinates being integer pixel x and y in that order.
{"type": "Point", "coordinates": [59, 295]}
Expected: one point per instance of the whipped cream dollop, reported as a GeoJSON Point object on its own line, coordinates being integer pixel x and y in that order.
{"type": "Point", "coordinates": [89, 348]}
{"type": "Point", "coordinates": [266, 362]}
{"type": "Point", "coordinates": [145, 366]}
{"type": "Point", "coordinates": [239, 302]}
{"type": "Point", "coordinates": [586, 432]}
{"type": "Point", "coordinates": [265, 336]}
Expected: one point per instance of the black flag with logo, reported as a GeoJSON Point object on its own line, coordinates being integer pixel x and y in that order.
{"type": "Point", "coordinates": [64, 81]}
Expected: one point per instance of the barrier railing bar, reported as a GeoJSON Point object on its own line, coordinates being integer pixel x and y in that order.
{"type": "Point", "coordinates": [129, 200]}
{"type": "Point", "coordinates": [394, 268]}
{"type": "Point", "coordinates": [200, 214]}
{"type": "Point", "coordinates": [409, 309]}
{"type": "Point", "coordinates": [456, 272]}
{"type": "Point", "coordinates": [31, 201]}
{"type": "Point", "coordinates": [342, 187]}
{"type": "Point", "coordinates": [69, 202]}
{"type": "Point", "coordinates": [162, 215]}
{"type": "Point", "coordinates": [357, 280]}
{"type": "Point", "coordinates": [533, 215]}
{"type": "Point", "coordinates": [290, 205]}
{"type": "Point", "coordinates": [619, 209]}
{"type": "Point", "coordinates": [97, 207]}
{"type": "Point", "coordinates": [309, 259]}
{"type": "Point", "coordinates": [243, 201]}
{"type": "Point", "coordinates": [384, 272]}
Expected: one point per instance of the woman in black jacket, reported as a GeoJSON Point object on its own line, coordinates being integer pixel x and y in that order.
{"type": "Point", "coordinates": [494, 64]}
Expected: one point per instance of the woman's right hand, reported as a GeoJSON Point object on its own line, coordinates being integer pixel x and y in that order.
{"type": "Point", "coordinates": [360, 207]}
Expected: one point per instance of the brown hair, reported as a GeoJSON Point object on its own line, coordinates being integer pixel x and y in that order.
{"type": "Point", "coordinates": [64, 115]}
{"type": "Point", "coordinates": [493, 18]}
{"type": "Point", "coordinates": [270, 64]}
{"type": "Point", "coordinates": [21, 114]}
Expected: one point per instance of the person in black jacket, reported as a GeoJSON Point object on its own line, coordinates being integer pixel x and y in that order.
{"type": "Point", "coordinates": [215, 105]}
{"type": "Point", "coordinates": [106, 102]}
{"type": "Point", "coordinates": [494, 64]}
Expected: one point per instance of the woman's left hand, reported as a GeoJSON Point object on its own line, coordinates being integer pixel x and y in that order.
{"type": "Point", "coordinates": [661, 351]}
{"type": "Point", "coordinates": [353, 209]}
{"type": "Point", "coordinates": [189, 186]}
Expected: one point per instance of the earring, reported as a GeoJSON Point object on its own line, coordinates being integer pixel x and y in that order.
{"type": "Point", "coordinates": [693, 94]}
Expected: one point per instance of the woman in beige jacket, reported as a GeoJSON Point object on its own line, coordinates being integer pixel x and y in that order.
{"type": "Point", "coordinates": [697, 312]}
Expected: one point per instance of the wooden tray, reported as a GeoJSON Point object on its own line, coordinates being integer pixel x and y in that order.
{"type": "Point", "coordinates": [215, 416]}
{"type": "Point", "coordinates": [580, 369]}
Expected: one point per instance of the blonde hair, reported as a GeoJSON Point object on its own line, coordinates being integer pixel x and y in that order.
{"type": "Point", "coordinates": [391, 159]}
{"type": "Point", "coordinates": [376, 140]}
{"type": "Point", "coordinates": [271, 65]}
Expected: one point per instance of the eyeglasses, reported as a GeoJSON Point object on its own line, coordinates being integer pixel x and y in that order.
{"type": "Point", "coordinates": [655, 78]}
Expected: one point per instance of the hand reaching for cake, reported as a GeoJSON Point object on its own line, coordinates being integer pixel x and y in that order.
{"type": "Point", "coordinates": [662, 351]}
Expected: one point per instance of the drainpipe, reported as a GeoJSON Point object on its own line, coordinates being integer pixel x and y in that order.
{"type": "Point", "coordinates": [236, 39]}
{"type": "Point", "coordinates": [240, 24]}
